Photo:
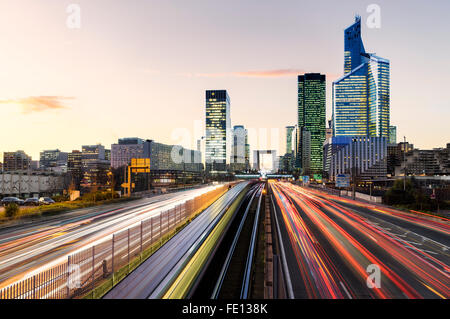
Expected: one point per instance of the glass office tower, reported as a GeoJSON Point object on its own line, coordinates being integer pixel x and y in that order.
{"type": "Point", "coordinates": [218, 129]}
{"type": "Point", "coordinates": [240, 149]}
{"type": "Point", "coordinates": [361, 105]}
{"type": "Point", "coordinates": [311, 122]}
{"type": "Point", "coordinates": [392, 134]}
{"type": "Point", "coordinates": [289, 140]}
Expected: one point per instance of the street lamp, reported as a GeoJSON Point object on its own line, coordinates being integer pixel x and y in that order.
{"type": "Point", "coordinates": [404, 162]}
{"type": "Point", "coordinates": [111, 176]}
{"type": "Point", "coordinates": [354, 168]}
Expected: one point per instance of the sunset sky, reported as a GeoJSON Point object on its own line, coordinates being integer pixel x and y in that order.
{"type": "Point", "coordinates": [141, 68]}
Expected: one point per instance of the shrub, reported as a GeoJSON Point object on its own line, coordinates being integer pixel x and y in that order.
{"type": "Point", "coordinates": [98, 196]}
{"type": "Point", "coordinates": [11, 210]}
{"type": "Point", "coordinates": [397, 196]}
{"type": "Point", "coordinates": [61, 198]}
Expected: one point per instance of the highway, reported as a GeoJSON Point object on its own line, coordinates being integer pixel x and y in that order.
{"type": "Point", "coordinates": [170, 269]}
{"type": "Point", "coordinates": [334, 247]}
{"type": "Point", "coordinates": [32, 247]}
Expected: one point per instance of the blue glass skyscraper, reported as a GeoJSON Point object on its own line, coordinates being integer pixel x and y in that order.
{"type": "Point", "coordinates": [361, 104]}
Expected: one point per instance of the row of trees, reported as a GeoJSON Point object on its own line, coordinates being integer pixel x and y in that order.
{"type": "Point", "coordinates": [412, 196]}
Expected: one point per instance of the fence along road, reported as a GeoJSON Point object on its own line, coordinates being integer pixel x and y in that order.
{"type": "Point", "coordinates": [110, 253]}
{"type": "Point", "coordinates": [154, 276]}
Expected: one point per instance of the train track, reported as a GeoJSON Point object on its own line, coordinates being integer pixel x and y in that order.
{"type": "Point", "coordinates": [233, 266]}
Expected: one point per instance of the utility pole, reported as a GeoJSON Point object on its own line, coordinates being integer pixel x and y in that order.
{"type": "Point", "coordinates": [111, 177]}
{"type": "Point", "coordinates": [354, 168]}
{"type": "Point", "coordinates": [404, 162]}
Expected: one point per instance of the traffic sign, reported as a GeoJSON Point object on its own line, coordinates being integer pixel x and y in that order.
{"type": "Point", "coordinates": [305, 179]}
{"type": "Point", "coordinates": [343, 180]}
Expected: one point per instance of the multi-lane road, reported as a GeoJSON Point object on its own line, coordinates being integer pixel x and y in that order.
{"type": "Point", "coordinates": [340, 248]}
{"type": "Point", "coordinates": [331, 246]}
{"type": "Point", "coordinates": [30, 248]}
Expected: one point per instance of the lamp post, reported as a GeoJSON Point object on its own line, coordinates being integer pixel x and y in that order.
{"type": "Point", "coordinates": [404, 162]}
{"type": "Point", "coordinates": [111, 176]}
{"type": "Point", "coordinates": [354, 168]}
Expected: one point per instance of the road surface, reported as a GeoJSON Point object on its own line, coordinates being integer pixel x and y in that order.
{"type": "Point", "coordinates": [335, 247]}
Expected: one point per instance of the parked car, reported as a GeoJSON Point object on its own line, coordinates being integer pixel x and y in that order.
{"type": "Point", "coordinates": [46, 201]}
{"type": "Point", "coordinates": [32, 202]}
{"type": "Point", "coordinates": [9, 200]}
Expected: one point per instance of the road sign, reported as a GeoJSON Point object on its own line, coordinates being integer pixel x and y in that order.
{"type": "Point", "coordinates": [140, 165]}
{"type": "Point", "coordinates": [317, 177]}
{"type": "Point", "coordinates": [343, 180]}
{"type": "Point", "coordinates": [305, 179]}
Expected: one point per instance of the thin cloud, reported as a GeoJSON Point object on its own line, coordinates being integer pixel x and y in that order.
{"type": "Point", "coordinates": [275, 73]}
{"type": "Point", "coordinates": [257, 73]}
{"type": "Point", "coordinates": [150, 71]}
{"type": "Point", "coordinates": [214, 75]}
{"type": "Point", "coordinates": [270, 73]}
{"type": "Point", "coordinates": [34, 104]}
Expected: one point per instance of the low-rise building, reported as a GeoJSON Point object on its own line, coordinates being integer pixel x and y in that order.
{"type": "Point", "coordinates": [16, 161]}
{"type": "Point", "coordinates": [75, 168]}
{"type": "Point", "coordinates": [31, 184]}
{"type": "Point", "coordinates": [424, 162]}
{"type": "Point", "coordinates": [95, 167]}
{"type": "Point", "coordinates": [365, 157]}
{"type": "Point", "coordinates": [53, 160]}
{"type": "Point", "coordinates": [128, 148]}
{"type": "Point", "coordinates": [169, 164]}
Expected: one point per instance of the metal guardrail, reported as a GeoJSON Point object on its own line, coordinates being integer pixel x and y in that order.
{"type": "Point", "coordinates": [85, 270]}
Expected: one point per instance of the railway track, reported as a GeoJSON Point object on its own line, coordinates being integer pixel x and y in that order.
{"type": "Point", "coordinates": [231, 272]}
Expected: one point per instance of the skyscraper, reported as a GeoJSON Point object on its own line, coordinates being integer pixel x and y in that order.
{"type": "Point", "coordinates": [361, 112]}
{"type": "Point", "coordinates": [218, 129]}
{"type": "Point", "coordinates": [361, 97]}
{"type": "Point", "coordinates": [289, 139]}
{"type": "Point", "coordinates": [392, 134]}
{"type": "Point", "coordinates": [311, 122]}
{"type": "Point", "coordinates": [240, 149]}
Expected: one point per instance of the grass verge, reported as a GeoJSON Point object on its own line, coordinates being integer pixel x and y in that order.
{"type": "Point", "coordinates": [49, 210]}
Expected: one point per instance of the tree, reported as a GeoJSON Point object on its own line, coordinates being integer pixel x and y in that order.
{"type": "Point", "coordinates": [397, 195]}
{"type": "Point", "coordinates": [11, 210]}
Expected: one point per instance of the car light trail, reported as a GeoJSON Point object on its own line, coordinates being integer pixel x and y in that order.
{"type": "Point", "coordinates": [29, 250]}
{"type": "Point", "coordinates": [405, 269]}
